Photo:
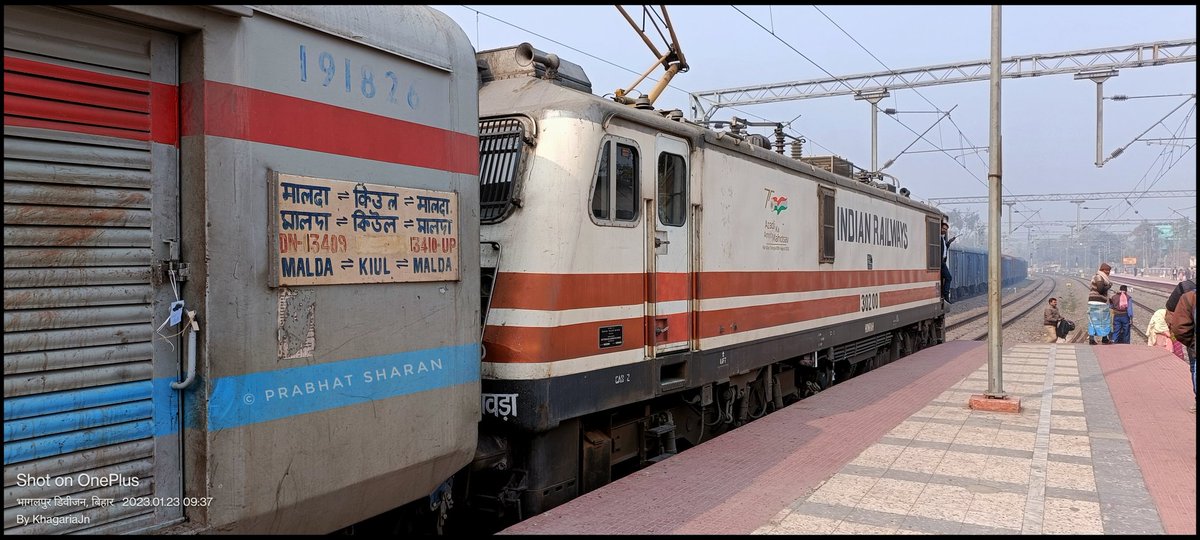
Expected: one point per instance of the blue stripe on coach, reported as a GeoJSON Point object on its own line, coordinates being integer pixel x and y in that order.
{"type": "Point", "coordinates": [241, 400]}
{"type": "Point", "coordinates": [55, 423]}
{"type": "Point", "coordinates": [71, 400]}
{"type": "Point", "coordinates": [65, 443]}
{"type": "Point", "coordinates": [58, 423]}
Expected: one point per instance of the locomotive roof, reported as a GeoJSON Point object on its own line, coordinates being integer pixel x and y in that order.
{"type": "Point", "coordinates": [541, 98]}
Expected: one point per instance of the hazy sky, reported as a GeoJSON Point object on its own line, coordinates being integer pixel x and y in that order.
{"type": "Point", "coordinates": [1048, 122]}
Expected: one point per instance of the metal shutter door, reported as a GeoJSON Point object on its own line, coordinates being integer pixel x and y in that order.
{"type": "Point", "coordinates": [83, 164]}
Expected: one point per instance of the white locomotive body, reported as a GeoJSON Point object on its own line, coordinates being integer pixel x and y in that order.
{"type": "Point", "coordinates": [646, 279]}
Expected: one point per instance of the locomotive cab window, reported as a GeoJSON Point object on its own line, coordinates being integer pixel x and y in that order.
{"type": "Point", "coordinates": [933, 239]}
{"type": "Point", "coordinates": [672, 189]}
{"type": "Point", "coordinates": [615, 197]}
{"type": "Point", "coordinates": [827, 217]}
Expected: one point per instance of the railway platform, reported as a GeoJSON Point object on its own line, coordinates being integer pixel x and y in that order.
{"type": "Point", "coordinates": [1104, 443]}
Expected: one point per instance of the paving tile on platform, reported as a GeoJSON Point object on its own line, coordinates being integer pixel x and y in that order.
{"type": "Point", "coordinates": [1007, 469]}
{"type": "Point", "coordinates": [1071, 405]}
{"type": "Point", "coordinates": [1070, 476]}
{"type": "Point", "coordinates": [843, 489]}
{"type": "Point", "coordinates": [1002, 510]}
{"type": "Point", "coordinates": [976, 435]}
{"type": "Point", "coordinates": [878, 455]}
{"type": "Point", "coordinates": [961, 464]}
{"type": "Point", "coordinates": [1073, 423]}
{"type": "Point", "coordinates": [1068, 391]}
{"type": "Point", "coordinates": [953, 413]}
{"type": "Point", "coordinates": [1070, 445]}
{"type": "Point", "coordinates": [847, 527]}
{"type": "Point", "coordinates": [918, 459]}
{"type": "Point", "coordinates": [1067, 516]}
{"type": "Point", "coordinates": [937, 432]}
{"type": "Point", "coordinates": [942, 502]}
{"type": "Point", "coordinates": [797, 523]}
{"type": "Point", "coordinates": [891, 496]}
{"type": "Point", "coordinates": [1016, 440]}
{"type": "Point", "coordinates": [906, 429]}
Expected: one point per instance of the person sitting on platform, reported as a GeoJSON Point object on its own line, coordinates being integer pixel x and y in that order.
{"type": "Point", "coordinates": [1050, 318]}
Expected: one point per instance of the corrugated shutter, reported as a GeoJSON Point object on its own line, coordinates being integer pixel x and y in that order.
{"type": "Point", "coordinates": [82, 153]}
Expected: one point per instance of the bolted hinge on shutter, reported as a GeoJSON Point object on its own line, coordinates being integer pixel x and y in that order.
{"type": "Point", "coordinates": [163, 271]}
{"type": "Point", "coordinates": [181, 270]}
{"type": "Point", "coordinates": [173, 266]}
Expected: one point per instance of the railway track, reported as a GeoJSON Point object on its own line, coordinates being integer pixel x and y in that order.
{"type": "Point", "coordinates": [966, 325]}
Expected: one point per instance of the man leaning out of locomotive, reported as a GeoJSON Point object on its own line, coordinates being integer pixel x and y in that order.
{"type": "Point", "coordinates": [1050, 319]}
{"type": "Point", "coordinates": [947, 277]}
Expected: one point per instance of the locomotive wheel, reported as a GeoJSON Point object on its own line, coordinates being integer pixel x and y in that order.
{"type": "Point", "coordinates": [824, 377]}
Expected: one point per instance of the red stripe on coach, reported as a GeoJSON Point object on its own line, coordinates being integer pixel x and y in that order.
{"type": "Point", "coordinates": [265, 117]}
{"type": "Point", "coordinates": [49, 96]}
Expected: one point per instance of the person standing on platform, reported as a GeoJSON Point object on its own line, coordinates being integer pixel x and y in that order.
{"type": "Point", "coordinates": [1050, 318]}
{"type": "Point", "coordinates": [1122, 315]}
{"type": "Point", "coordinates": [1182, 322]}
{"type": "Point", "coordinates": [946, 276]}
{"type": "Point", "coordinates": [1182, 287]}
{"type": "Point", "coordinates": [1099, 315]}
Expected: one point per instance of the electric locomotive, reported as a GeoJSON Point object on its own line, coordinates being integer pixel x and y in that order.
{"type": "Point", "coordinates": [648, 282]}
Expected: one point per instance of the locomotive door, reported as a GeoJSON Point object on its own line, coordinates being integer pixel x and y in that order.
{"type": "Point", "coordinates": [669, 294]}
{"type": "Point", "coordinates": [91, 191]}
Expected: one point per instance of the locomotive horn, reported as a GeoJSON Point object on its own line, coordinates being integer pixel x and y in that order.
{"type": "Point", "coordinates": [904, 191]}
{"type": "Point", "coordinates": [526, 54]}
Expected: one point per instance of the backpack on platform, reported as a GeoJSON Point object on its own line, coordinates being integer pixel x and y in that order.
{"type": "Point", "coordinates": [1065, 327]}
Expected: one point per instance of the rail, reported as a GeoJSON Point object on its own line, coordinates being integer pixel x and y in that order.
{"type": "Point", "coordinates": [1043, 291]}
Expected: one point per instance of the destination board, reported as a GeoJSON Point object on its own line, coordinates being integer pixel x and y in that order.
{"type": "Point", "coordinates": [328, 232]}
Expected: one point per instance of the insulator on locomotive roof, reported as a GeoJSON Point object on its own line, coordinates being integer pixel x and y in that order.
{"type": "Point", "coordinates": [673, 114]}
{"type": "Point", "coordinates": [759, 140]}
{"type": "Point", "coordinates": [797, 149]}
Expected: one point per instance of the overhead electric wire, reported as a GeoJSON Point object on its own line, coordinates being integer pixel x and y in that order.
{"type": "Point", "coordinates": [847, 85]}
{"type": "Point", "coordinates": [807, 138]}
{"type": "Point", "coordinates": [927, 100]}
